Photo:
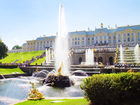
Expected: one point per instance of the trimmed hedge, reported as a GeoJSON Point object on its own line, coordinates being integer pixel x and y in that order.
{"type": "Point", "coordinates": [112, 89]}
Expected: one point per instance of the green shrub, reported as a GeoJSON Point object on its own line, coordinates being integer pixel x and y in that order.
{"type": "Point", "coordinates": [112, 89]}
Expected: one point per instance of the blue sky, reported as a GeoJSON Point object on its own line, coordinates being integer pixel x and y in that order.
{"type": "Point", "coordinates": [22, 20]}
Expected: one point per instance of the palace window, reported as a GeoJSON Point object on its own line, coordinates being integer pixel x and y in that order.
{"type": "Point", "coordinates": [132, 37]}
{"type": "Point", "coordinates": [78, 43]}
{"type": "Point", "coordinates": [88, 42]}
{"type": "Point", "coordinates": [96, 42]}
{"type": "Point", "coordinates": [124, 37]}
{"type": "Point", "coordinates": [73, 43]}
{"type": "Point", "coordinates": [119, 38]}
{"type": "Point", "coordinates": [114, 39]}
{"type": "Point", "coordinates": [92, 40]}
{"type": "Point", "coordinates": [96, 39]}
{"type": "Point", "coordinates": [83, 38]}
{"type": "Point", "coordinates": [100, 38]}
{"type": "Point", "coordinates": [105, 39]}
{"type": "Point", "coordinates": [138, 36]}
{"type": "Point", "coordinates": [128, 37]}
{"type": "Point", "coordinates": [82, 43]}
{"type": "Point", "coordinates": [78, 38]}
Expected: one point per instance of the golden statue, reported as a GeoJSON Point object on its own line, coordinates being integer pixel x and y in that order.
{"type": "Point", "coordinates": [37, 69]}
{"type": "Point", "coordinates": [126, 48]}
{"type": "Point", "coordinates": [71, 51]}
{"type": "Point", "coordinates": [60, 69]}
{"type": "Point", "coordinates": [94, 50]}
{"type": "Point", "coordinates": [35, 94]}
{"type": "Point", "coordinates": [116, 60]}
{"type": "Point", "coordinates": [101, 65]}
{"type": "Point", "coordinates": [101, 25]}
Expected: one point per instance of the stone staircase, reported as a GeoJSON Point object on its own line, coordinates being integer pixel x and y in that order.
{"type": "Point", "coordinates": [129, 57]}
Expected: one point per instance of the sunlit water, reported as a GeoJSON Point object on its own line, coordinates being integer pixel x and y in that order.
{"type": "Point", "coordinates": [137, 53]}
{"type": "Point", "coordinates": [121, 55]}
{"type": "Point", "coordinates": [17, 89]}
{"type": "Point", "coordinates": [89, 55]}
{"type": "Point", "coordinates": [61, 44]}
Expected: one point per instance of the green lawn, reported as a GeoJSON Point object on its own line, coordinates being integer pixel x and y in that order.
{"type": "Point", "coordinates": [5, 71]}
{"type": "Point", "coordinates": [49, 102]}
{"type": "Point", "coordinates": [20, 56]}
{"type": "Point", "coordinates": [39, 61]}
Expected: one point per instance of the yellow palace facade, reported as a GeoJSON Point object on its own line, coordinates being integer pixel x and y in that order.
{"type": "Point", "coordinates": [100, 37]}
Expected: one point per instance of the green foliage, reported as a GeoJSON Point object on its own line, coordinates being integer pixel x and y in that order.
{"type": "Point", "coordinates": [16, 47]}
{"type": "Point", "coordinates": [49, 102]}
{"type": "Point", "coordinates": [20, 56]}
{"type": "Point", "coordinates": [3, 50]}
{"type": "Point", "coordinates": [5, 71]}
{"type": "Point", "coordinates": [112, 89]}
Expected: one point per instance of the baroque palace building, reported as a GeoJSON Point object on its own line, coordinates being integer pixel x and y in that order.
{"type": "Point", "coordinates": [99, 38]}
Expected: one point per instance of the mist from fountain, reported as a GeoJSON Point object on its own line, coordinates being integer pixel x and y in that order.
{"type": "Point", "coordinates": [61, 44]}
{"type": "Point", "coordinates": [41, 74]}
{"type": "Point", "coordinates": [89, 55]}
{"type": "Point", "coordinates": [137, 53]}
{"type": "Point", "coordinates": [121, 55]}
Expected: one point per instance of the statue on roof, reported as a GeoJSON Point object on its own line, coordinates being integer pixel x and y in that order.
{"type": "Point", "coordinates": [101, 25]}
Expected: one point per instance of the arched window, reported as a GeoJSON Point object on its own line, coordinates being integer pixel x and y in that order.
{"type": "Point", "coordinates": [100, 59]}
{"type": "Point", "coordinates": [94, 59]}
{"type": "Point", "coordinates": [128, 37]}
{"type": "Point", "coordinates": [109, 39]}
{"type": "Point", "coordinates": [111, 60]}
{"type": "Point", "coordinates": [138, 36]}
{"type": "Point", "coordinates": [80, 60]}
{"type": "Point", "coordinates": [132, 37]}
{"type": "Point", "coordinates": [124, 37]}
{"type": "Point", "coordinates": [114, 39]}
{"type": "Point", "coordinates": [119, 37]}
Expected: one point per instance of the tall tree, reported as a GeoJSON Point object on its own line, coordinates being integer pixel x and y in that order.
{"type": "Point", "coordinates": [16, 47]}
{"type": "Point", "coordinates": [3, 50]}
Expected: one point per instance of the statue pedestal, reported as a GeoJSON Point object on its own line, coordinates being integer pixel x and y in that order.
{"type": "Point", "coordinates": [58, 81]}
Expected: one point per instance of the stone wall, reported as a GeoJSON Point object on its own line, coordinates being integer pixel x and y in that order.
{"type": "Point", "coordinates": [104, 57]}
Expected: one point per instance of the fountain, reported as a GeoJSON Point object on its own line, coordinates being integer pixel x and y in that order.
{"type": "Point", "coordinates": [60, 78]}
{"type": "Point", "coordinates": [35, 94]}
{"type": "Point", "coordinates": [128, 56]}
{"type": "Point", "coordinates": [89, 57]}
{"type": "Point", "coordinates": [47, 55]}
{"type": "Point", "coordinates": [121, 55]}
{"type": "Point", "coordinates": [21, 85]}
{"type": "Point", "coordinates": [61, 44]}
{"type": "Point", "coordinates": [137, 53]}
{"type": "Point", "coordinates": [40, 74]}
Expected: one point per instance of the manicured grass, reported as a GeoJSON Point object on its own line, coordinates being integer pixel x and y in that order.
{"type": "Point", "coordinates": [49, 102]}
{"type": "Point", "coordinates": [20, 56]}
{"type": "Point", "coordinates": [39, 61]}
{"type": "Point", "coordinates": [5, 71]}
